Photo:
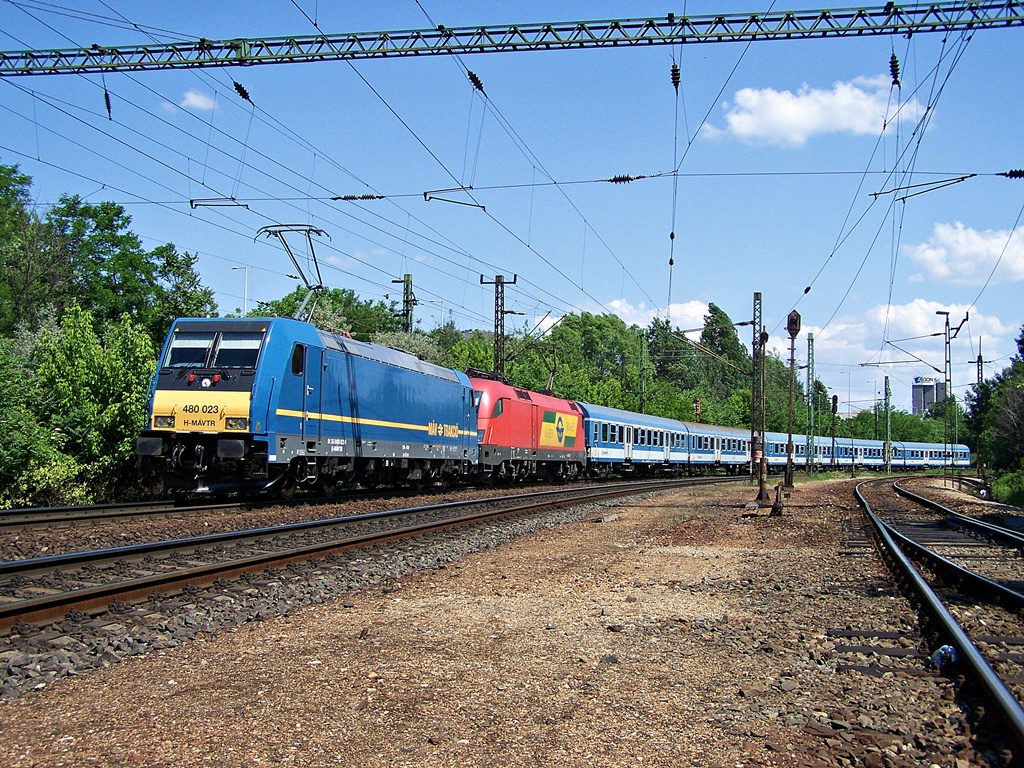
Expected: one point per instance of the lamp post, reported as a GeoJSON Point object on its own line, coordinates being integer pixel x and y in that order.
{"type": "Point", "coordinates": [245, 291]}
{"type": "Point", "coordinates": [441, 302]}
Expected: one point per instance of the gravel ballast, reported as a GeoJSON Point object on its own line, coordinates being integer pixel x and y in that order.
{"type": "Point", "coordinates": [678, 631]}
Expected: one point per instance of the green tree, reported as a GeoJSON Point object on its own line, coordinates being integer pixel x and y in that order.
{"type": "Point", "coordinates": [415, 343]}
{"type": "Point", "coordinates": [35, 265]}
{"type": "Point", "coordinates": [337, 309]}
{"type": "Point", "coordinates": [729, 366]}
{"type": "Point", "coordinates": [97, 390]}
{"type": "Point", "coordinates": [1002, 421]}
{"type": "Point", "coordinates": [179, 293]}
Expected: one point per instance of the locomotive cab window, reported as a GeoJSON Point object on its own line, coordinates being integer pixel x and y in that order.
{"type": "Point", "coordinates": [238, 350]}
{"type": "Point", "coordinates": [499, 408]}
{"type": "Point", "coordinates": [189, 350]}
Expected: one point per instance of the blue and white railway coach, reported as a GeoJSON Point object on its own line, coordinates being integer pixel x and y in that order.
{"type": "Point", "coordinates": [910, 455]}
{"type": "Point", "coordinates": [623, 441]}
{"type": "Point", "coordinates": [249, 405]}
{"type": "Point", "coordinates": [712, 446]}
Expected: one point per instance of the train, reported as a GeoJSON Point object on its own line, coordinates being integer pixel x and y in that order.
{"type": "Point", "coordinates": [269, 405]}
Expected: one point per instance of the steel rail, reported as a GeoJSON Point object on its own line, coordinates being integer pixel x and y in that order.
{"type": "Point", "coordinates": [995, 532]}
{"type": "Point", "coordinates": [1007, 708]}
{"type": "Point", "coordinates": [11, 518]}
{"type": "Point", "coordinates": [54, 606]}
{"type": "Point", "coordinates": [890, 19]}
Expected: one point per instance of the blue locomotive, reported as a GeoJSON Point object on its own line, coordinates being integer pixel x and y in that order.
{"type": "Point", "coordinates": [260, 405]}
{"type": "Point", "coordinates": [252, 405]}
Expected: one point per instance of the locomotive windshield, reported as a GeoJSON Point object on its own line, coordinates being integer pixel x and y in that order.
{"type": "Point", "coordinates": [208, 349]}
{"type": "Point", "coordinates": [237, 350]}
{"type": "Point", "coordinates": [189, 350]}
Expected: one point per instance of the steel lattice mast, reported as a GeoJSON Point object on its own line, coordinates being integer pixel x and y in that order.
{"type": "Point", "coordinates": [890, 19]}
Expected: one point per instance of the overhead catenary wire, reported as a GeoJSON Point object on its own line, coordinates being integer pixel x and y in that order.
{"type": "Point", "coordinates": [536, 163]}
{"type": "Point", "coordinates": [242, 92]}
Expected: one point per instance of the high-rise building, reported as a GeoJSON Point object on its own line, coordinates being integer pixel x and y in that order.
{"type": "Point", "coordinates": [927, 391]}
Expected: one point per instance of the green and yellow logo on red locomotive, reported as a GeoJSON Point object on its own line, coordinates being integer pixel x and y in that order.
{"type": "Point", "coordinates": [559, 430]}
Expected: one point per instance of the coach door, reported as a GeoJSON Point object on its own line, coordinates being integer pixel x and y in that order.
{"type": "Point", "coordinates": [312, 422]}
{"type": "Point", "coordinates": [718, 449]}
{"type": "Point", "coordinates": [666, 446]}
{"type": "Point", "coordinates": [627, 445]}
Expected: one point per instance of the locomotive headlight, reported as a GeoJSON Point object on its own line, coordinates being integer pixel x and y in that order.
{"type": "Point", "coordinates": [239, 423]}
{"type": "Point", "coordinates": [164, 421]}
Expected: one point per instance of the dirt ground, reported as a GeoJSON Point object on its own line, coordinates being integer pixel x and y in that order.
{"type": "Point", "coordinates": [677, 632]}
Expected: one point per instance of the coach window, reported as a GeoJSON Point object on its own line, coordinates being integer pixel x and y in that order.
{"type": "Point", "coordinates": [298, 359]}
{"type": "Point", "coordinates": [604, 433]}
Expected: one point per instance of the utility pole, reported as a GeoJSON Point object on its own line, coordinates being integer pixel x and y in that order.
{"type": "Point", "coordinates": [947, 438]}
{"type": "Point", "coordinates": [499, 284]}
{"type": "Point", "coordinates": [643, 371]}
{"type": "Point", "coordinates": [810, 404]}
{"type": "Point", "coordinates": [793, 327]}
{"type": "Point", "coordinates": [981, 378]}
{"type": "Point", "coordinates": [408, 302]}
{"type": "Point", "coordinates": [888, 430]}
{"type": "Point", "coordinates": [835, 407]}
{"type": "Point", "coordinates": [757, 400]}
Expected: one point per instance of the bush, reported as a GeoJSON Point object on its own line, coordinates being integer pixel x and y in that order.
{"type": "Point", "coordinates": [1009, 488]}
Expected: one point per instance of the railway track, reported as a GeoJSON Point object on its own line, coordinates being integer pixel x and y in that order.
{"type": "Point", "coordinates": [98, 513]}
{"type": "Point", "coordinates": [963, 577]}
{"type": "Point", "coordinates": [46, 588]}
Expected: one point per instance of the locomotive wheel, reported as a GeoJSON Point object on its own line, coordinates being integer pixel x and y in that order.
{"type": "Point", "coordinates": [328, 485]}
{"type": "Point", "coordinates": [287, 488]}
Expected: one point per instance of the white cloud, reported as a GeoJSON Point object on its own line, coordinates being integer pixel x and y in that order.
{"type": "Point", "coordinates": [767, 116]}
{"type": "Point", "coordinates": [848, 343]}
{"type": "Point", "coordinates": [194, 99]}
{"type": "Point", "coordinates": [688, 315]}
{"type": "Point", "coordinates": [919, 318]}
{"type": "Point", "coordinates": [962, 256]}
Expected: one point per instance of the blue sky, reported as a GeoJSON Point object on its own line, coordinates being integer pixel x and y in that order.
{"type": "Point", "coordinates": [780, 148]}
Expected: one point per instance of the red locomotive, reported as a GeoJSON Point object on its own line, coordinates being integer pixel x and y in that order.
{"type": "Point", "coordinates": [525, 434]}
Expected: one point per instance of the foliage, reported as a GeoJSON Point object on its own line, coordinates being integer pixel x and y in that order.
{"type": "Point", "coordinates": [414, 343]}
{"type": "Point", "coordinates": [86, 253]}
{"type": "Point", "coordinates": [1009, 488]}
{"type": "Point", "coordinates": [77, 402]}
{"type": "Point", "coordinates": [336, 309]}
{"type": "Point", "coordinates": [995, 415]}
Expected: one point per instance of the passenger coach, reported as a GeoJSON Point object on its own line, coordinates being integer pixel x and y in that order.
{"type": "Point", "coordinates": [621, 441]}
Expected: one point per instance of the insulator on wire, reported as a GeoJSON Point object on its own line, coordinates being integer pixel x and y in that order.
{"type": "Point", "coordinates": [671, 235]}
{"type": "Point", "coordinates": [475, 80]}
{"type": "Point", "coordinates": [1016, 173]}
{"type": "Point", "coordinates": [675, 77]}
{"type": "Point", "coordinates": [807, 290]}
{"type": "Point", "coordinates": [623, 178]}
{"type": "Point", "coordinates": [106, 98]}
{"type": "Point", "coordinates": [894, 70]}
{"type": "Point", "coordinates": [241, 91]}
{"type": "Point", "coordinates": [350, 198]}
{"type": "Point", "coordinates": [671, 261]}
